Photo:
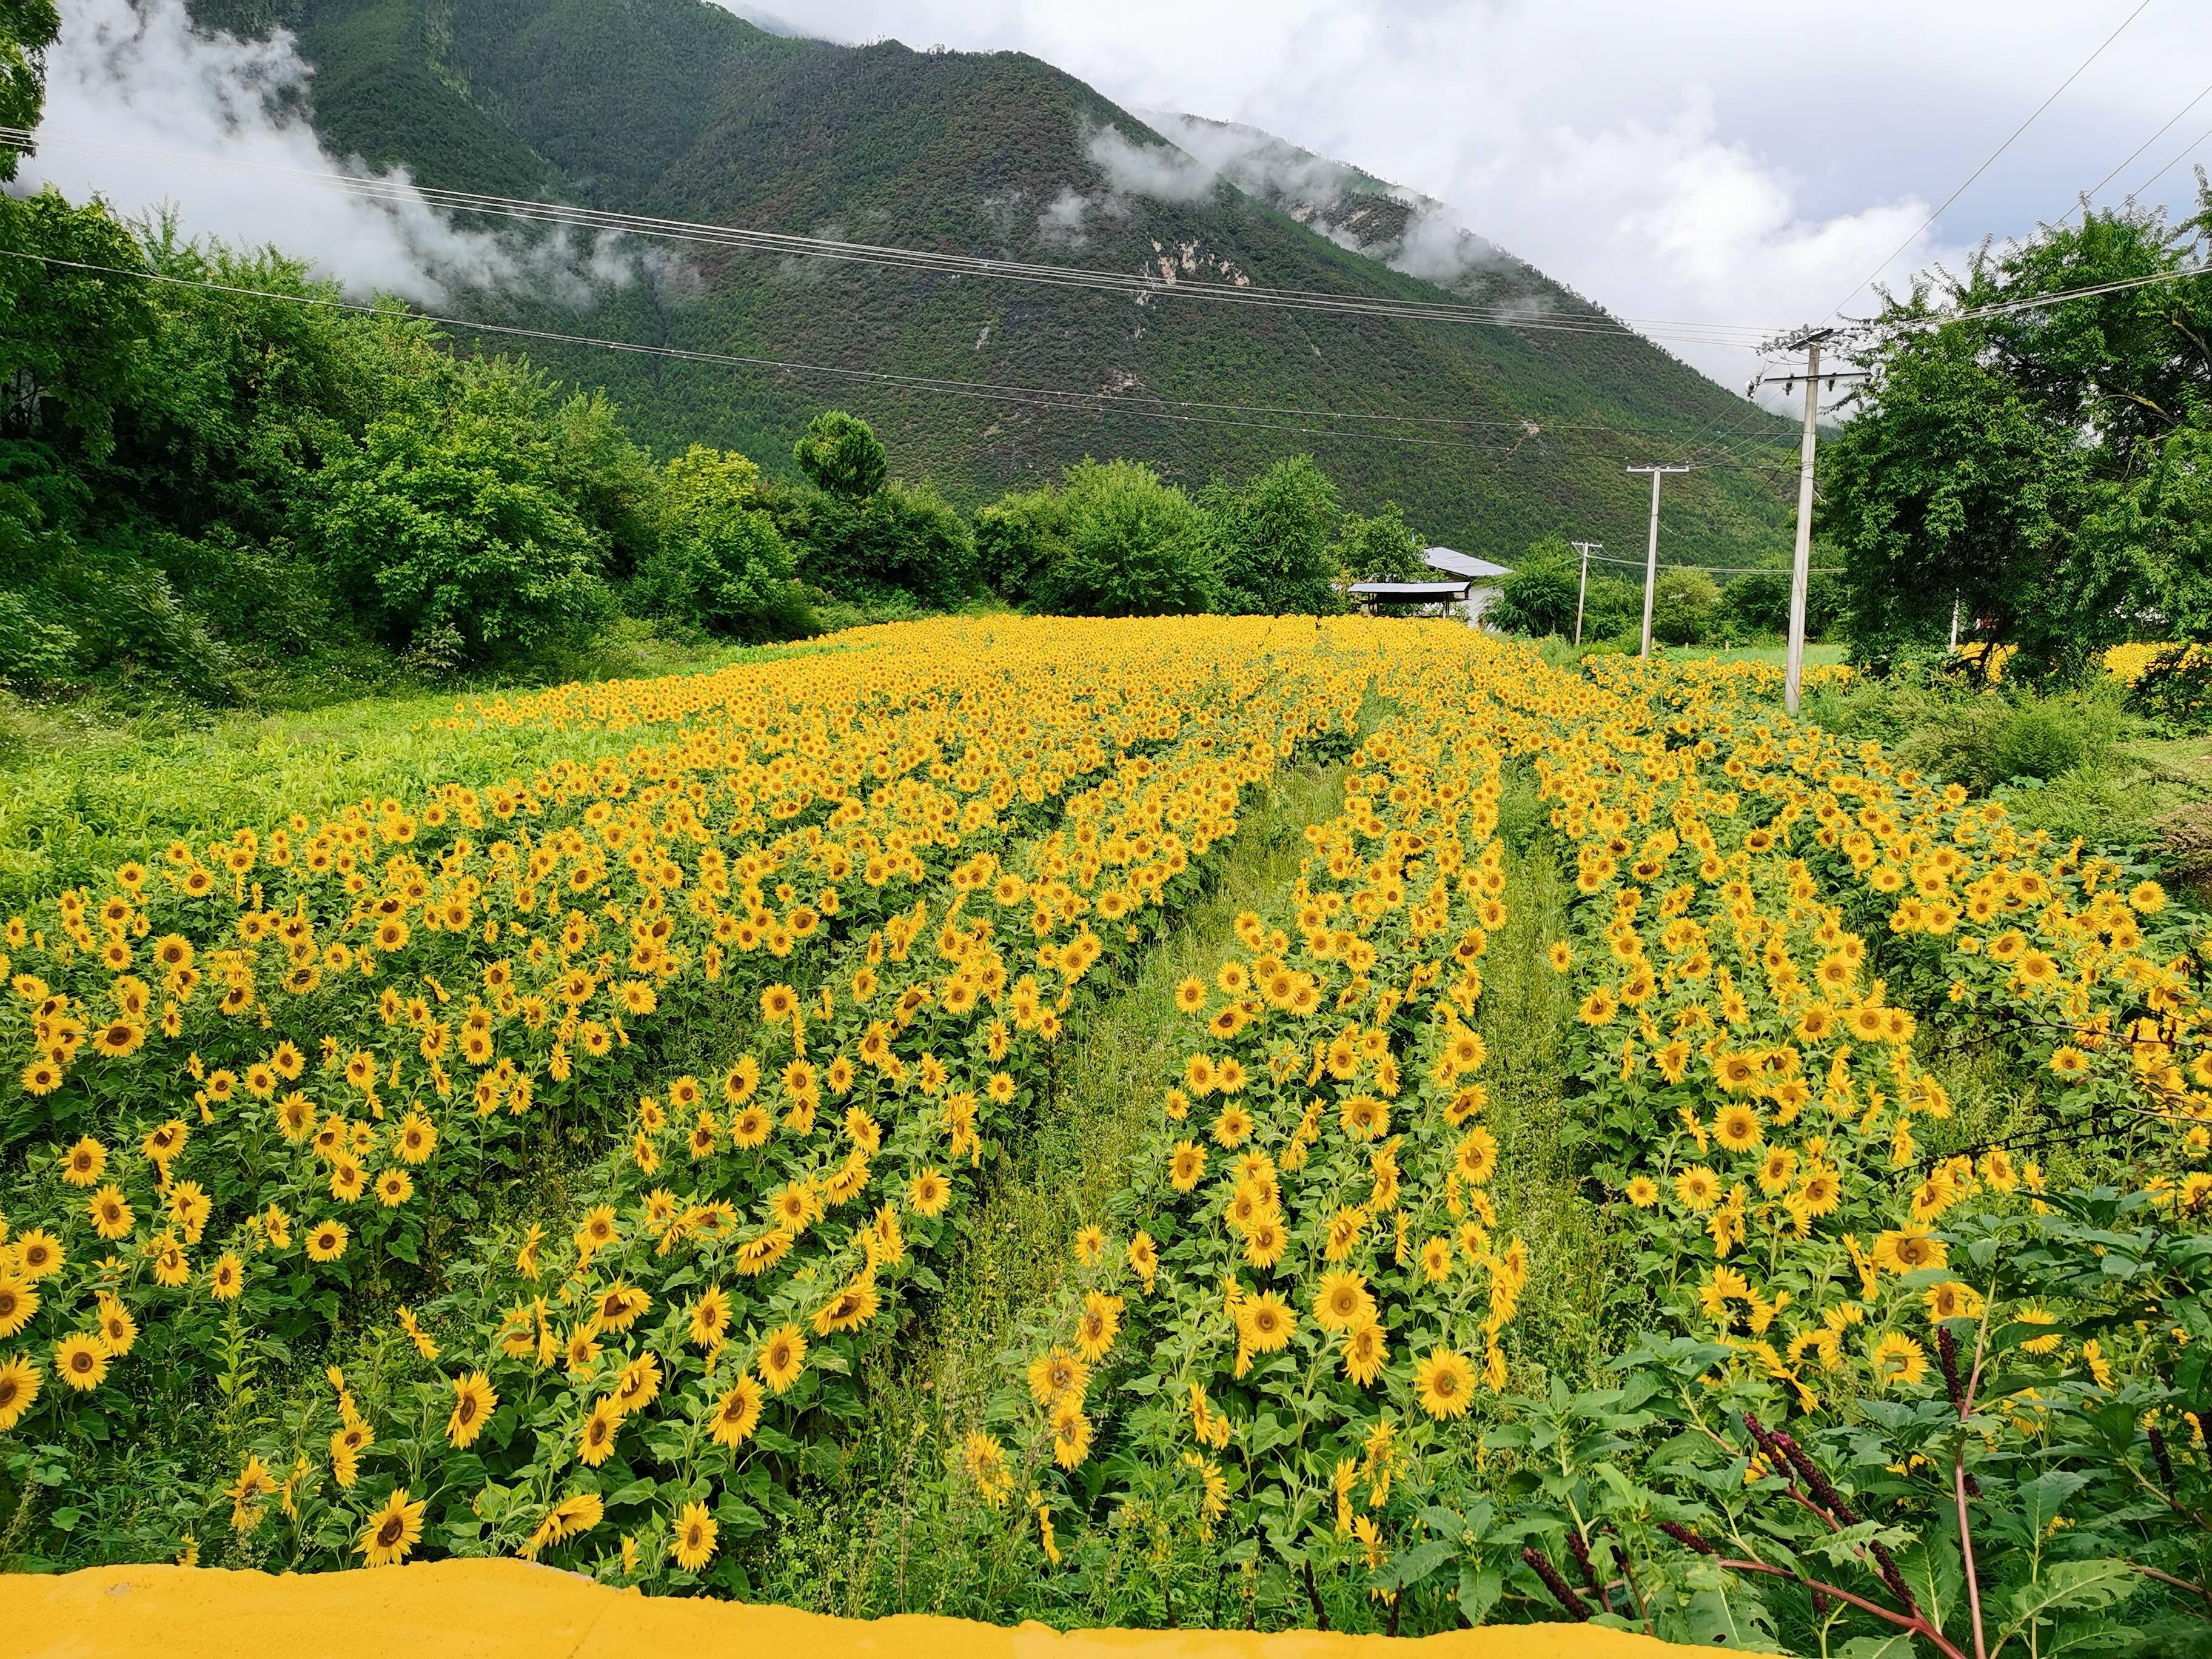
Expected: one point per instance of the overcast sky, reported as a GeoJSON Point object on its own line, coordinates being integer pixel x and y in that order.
{"type": "Point", "coordinates": [1713, 160]}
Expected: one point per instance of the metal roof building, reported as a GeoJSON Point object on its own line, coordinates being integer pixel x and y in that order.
{"type": "Point", "coordinates": [1464, 565]}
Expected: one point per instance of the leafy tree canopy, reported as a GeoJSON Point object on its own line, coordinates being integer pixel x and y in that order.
{"type": "Point", "coordinates": [1684, 604]}
{"type": "Point", "coordinates": [27, 28]}
{"type": "Point", "coordinates": [2041, 470]}
{"type": "Point", "coordinates": [1539, 597]}
{"type": "Point", "coordinates": [1381, 549]}
{"type": "Point", "coordinates": [1278, 540]}
{"type": "Point", "coordinates": [717, 560]}
{"type": "Point", "coordinates": [1135, 546]}
{"type": "Point", "coordinates": [449, 527]}
{"type": "Point", "coordinates": [1018, 538]}
{"type": "Point", "coordinates": [842, 456]}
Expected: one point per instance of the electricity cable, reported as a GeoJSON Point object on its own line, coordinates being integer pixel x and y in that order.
{"type": "Point", "coordinates": [1988, 160]}
{"type": "Point", "coordinates": [1149, 407]}
{"type": "Point", "coordinates": [398, 191]}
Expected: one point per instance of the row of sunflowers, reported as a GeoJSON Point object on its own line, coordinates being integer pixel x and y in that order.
{"type": "Point", "coordinates": [1305, 1283]}
{"type": "Point", "coordinates": [1784, 950]}
{"type": "Point", "coordinates": [589, 1116]}
{"type": "Point", "coordinates": [1874, 1287]}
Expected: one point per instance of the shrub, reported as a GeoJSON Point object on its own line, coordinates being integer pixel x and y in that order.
{"type": "Point", "coordinates": [1136, 546]}
{"type": "Point", "coordinates": [1757, 602]}
{"type": "Point", "coordinates": [1612, 609]}
{"type": "Point", "coordinates": [904, 537]}
{"type": "Point", "coordinates": [1018, 537]}
{"type": "Point", "coordinates": [433, 527]}
{"type": "Point", "coordinates": [718, 562]}
{"type": "Point", "coordinates": [1684, 606]}
{"type": "Point", "coordinates": [33, 650]}
{"type": "Point", "coordinates": [2175, 685]}
{"type": "Point", "coordinates": [1539, 597]}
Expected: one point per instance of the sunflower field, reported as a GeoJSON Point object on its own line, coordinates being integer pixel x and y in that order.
{"type": "Point", "coordinates": [1195, 1121]}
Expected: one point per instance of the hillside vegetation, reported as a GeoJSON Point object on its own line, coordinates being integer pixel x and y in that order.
{"type": "Point", "coordinates": [677, 107]}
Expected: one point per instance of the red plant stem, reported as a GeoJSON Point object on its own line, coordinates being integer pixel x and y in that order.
{"type": "Point", "coordinates": [1959, 1481]}
{"type": "Point", "coordinates": [1917, 1623]}
{"type": "Point", "coordinates": [1966, 1550]}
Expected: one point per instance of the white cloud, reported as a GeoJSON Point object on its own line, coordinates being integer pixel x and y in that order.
{"type": "Point", "coordinates": [1716, 233]}
{"type": "Point", "coordinates": [1714, 162]}
{"type": "Point", "coordinates": [1162, 171]}
{"type": "Point", "coordinates": [1062, 223]}
{"type": "Point", "coordinates": [137, 78]}
{"type": "Point", "coordinates": [1435, 244]}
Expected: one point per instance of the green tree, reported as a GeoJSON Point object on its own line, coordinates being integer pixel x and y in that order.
{"type": "Point", "coordinates": [2027, 466]}
{"type": "Point", "coordinates": [1136, 546]}
{"type": "Point", "coordinates": [903, 539]}
{"type": "Point", "coordinates": [1757, 602]}
{"type": "Point", "coordinates": [1684, 606]}
{"type": "Point", "coordinates": [79, 589]}
{"type": "Point", "coordinates": [1277, 535]}
{"type": "Point", "coordinates": [1018, 538]}
{"type": "Point", "coordinates": [447, 531]}
{"type": "Point", "coordinates": [841, 456]}
{"type": "Point", "coordinates": [1539, 597]}
{"type": "Point", "coordinates": [74, 339]}
{"type": "Point", "coordinates": [717, 560]}
{"type": "Point", "coordinates": [1381, 549]}
{"type": "Point", "coordinates": [606, 474]}
{"type": "Point", "coordinates": [1613, 610]}
{"type": "Point", "coordinates": [27, 28]}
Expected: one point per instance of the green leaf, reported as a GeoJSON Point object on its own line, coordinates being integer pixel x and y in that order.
{"type": "Point", "coordinates": [1896, 1646]}
{"type": "Point", "coordinates": [1478, 1591]}
{"type": "Point", "coordinates": [2043, 1499]}
{"type": "Point", "coordinates": [1413, 1566]}
{"type": "Point", "coordinates": [1719, 1618]}
{"type": "Point", "coordinates": [2099, 1583]}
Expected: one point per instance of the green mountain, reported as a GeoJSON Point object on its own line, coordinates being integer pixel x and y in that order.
{"type": "Point", "coordinates": [678, 107]}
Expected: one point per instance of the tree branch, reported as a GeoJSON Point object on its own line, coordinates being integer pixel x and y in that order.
{"type": "Point", "coordinates": [1918, 1622]}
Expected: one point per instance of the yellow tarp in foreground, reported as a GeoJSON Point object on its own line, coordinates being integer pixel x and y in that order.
{"type": "Point", "coordinates": [513, 1610]}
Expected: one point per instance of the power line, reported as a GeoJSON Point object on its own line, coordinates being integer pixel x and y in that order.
{"type": "Point", "coordinates": [2185, 151]}
{"type": "Point", "coordinates": [2091, 192]}
{"type": "Point", "coordinates": [1714, 569]}
{"type": "Point", "coordinates": [1146, 408]}
{"type": "Point", "coordinates": [2141, 7]}
{"type": "Point", "coordinates": [1144, 288]}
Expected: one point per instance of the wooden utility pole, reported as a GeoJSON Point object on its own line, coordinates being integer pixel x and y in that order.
{"type": "Point", "coordinates": [1651, 553]}
{"type": "Point", "coordinates": [1582, 589]}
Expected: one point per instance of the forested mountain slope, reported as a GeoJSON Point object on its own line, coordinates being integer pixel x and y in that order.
{"type": "Point", "coordinates": [678, 107]}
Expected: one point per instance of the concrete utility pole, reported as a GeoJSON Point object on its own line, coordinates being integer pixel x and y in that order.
{"type": "Point", "coordinates": [1582, 591]}
{"type": "Point", "coordinates": [1801, 564]}
{"type": "Point", "coordinates": [1793, 672]}
{"type": "Point", "coordinates": [1651, 554]}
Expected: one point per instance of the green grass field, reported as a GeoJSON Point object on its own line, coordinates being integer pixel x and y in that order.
{"type": "Point", "coordinates": [1818, 654]}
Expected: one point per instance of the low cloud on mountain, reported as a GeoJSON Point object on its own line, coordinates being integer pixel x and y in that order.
{"type": "Point", "coordinates": [156, 99]}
